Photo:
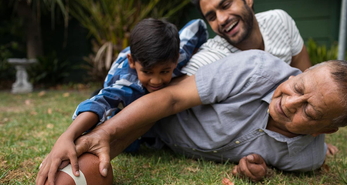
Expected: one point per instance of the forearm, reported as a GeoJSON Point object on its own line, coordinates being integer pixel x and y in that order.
{"type": "Point", "coordinates": [82, 123]}
{"type": "Point", "coordinates": [153, 107]}
{"type": "Point", "coordinates": [302, 60]}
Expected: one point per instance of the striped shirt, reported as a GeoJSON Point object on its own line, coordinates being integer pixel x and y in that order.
{"type": "Point", "coordinates": [280, 35]}
{"type": "Point", "coordinates": [122, 86]}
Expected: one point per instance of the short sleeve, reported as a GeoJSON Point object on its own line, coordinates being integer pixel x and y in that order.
{"type": "Point", "coordinates": [296, 41]}
{"type": "Point", "coordinates": [240, 76]}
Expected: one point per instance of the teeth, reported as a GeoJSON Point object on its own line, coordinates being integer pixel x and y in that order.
{"type": "Point", "coordinates": [231, 26]}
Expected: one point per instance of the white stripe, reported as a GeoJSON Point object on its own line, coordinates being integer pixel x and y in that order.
{"type": "Point", "coordinates": [81, 180]}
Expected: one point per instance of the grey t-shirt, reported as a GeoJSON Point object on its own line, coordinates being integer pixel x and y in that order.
{"type": "Point", "coordinates": [231, 123]}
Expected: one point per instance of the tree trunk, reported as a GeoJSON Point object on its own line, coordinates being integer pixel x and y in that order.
{"type": "Point", "coordinates": [32, 30]}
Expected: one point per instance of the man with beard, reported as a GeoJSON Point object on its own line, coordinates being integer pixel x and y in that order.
{"type": "Point", "coordinates": [238, 29]}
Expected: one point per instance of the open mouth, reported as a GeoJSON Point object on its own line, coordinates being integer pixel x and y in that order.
{"type": "Point", "coordinates": [231, 26]}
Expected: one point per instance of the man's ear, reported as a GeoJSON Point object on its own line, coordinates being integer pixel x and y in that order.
{"type": "Point", "coordinates": [249, 3]}
{"type": "Point", "coordinates": [131, 61]}
{"type": "Point", "coordinates": [327, 131]}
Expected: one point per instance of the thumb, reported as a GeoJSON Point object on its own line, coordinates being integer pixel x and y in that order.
{"type": "Point", "coordinates": [255, 158]}
{"type": "Point", "coordinates": [81, 147]}
{"type": "Point", "coordinates": [104, 164]}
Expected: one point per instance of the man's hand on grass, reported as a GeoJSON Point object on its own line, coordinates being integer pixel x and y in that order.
{"type": "Point", "coordinates": [252, 166]}
{"type": "Point", "coordinates": [332, 150]}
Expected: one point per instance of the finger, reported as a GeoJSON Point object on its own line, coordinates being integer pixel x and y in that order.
{"type": "Point", "coordinates": [42, 175]}
{"type": "Point", "coordinates": [235, 171]}
{"type": "Point", "coordinates": [63, 164]}
{"type": "Point", "coordinates": [258, 171]}
{"type": "Point", "coordinates": [74, 164]}
{"type": "Point", "coordinates": [249, 170]}
{"type": "Point", "coordinates": [104, 159]}
{"type": "Point", "coordinates": [255, 158]}
{"type": "Point", "coordinates": [52, 171]}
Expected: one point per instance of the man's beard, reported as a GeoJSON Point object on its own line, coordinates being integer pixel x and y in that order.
{"type": "Point", "coordinates": [247, 29]}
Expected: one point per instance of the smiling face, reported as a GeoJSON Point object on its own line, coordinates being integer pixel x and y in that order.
{"type": "Point", "coordinates": [153, 78]}
{"type": "Point", "coordinates": [231, 19]}
{"type": "Point", "coordinates": [307, 103]}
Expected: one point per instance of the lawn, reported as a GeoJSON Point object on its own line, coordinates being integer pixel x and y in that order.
{"type": "Point", "coordinates": [31, 123]}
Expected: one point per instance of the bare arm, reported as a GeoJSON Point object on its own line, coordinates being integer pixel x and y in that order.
{"type": "Point", "coordinates": [180, 95]}
{"type": "Point", "coordinates": [135, 119]}
{"type": "Point", "coordinates": [301, 60]}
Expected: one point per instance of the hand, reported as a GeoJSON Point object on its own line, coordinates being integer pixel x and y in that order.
{"type": "Point", "coordinates": [252, 166]}
{"type": "Point", "coordinates": [64, 150]}
{"type": "Point", "coordinates": [332, 150]}
{"type": "Point", "coordinates": [96, 142]}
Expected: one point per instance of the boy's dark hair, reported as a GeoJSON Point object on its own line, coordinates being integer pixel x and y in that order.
{"type": "Point", "coordinates": [154, 41]}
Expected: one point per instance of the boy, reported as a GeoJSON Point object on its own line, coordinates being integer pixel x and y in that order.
{"type": "Point", "coordinates": [158, 52]}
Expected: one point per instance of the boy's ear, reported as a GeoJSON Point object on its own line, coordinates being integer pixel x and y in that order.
{"type": "Point", "coordinates": [131, 61]}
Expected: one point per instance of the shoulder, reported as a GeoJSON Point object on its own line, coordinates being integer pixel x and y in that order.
{"type": "Point", "coordinates": [219, 44]}
{"type": "Point", "coordinates": [276, 14]}
{"type": "Point", "coordinates": [250, 64]}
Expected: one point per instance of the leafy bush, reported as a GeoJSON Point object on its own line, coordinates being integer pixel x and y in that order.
{"type": "Point", "coordinates": [49, 71]}
{"type": "Point", "coordinates": [109, 23]}
{"type": "Point", "coordinates": [320, 54]}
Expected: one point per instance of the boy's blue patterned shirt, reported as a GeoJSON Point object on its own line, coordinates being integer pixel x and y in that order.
{"type": "Point", "coordinates": [122, 86]}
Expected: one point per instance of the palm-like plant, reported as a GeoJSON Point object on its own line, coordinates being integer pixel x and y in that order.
{"type": "Point", "coordinates": [109, 23]}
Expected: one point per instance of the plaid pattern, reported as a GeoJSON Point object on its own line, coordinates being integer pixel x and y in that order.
{"type": "Point", "coordinates": [121, 86]}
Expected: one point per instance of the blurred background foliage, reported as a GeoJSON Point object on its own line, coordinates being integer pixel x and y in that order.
{"type": "Point", "coordinates": [320, 53]}
{"type": "Point", "coordinates": [38, 28]}
{"type": "Point", "coordinates": [77, 40]}
{"type": "Point", "coordinates": [109, 23]}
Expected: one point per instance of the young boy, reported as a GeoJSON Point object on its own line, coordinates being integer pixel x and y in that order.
{"type": "Point", "coordinates": [158, 52]}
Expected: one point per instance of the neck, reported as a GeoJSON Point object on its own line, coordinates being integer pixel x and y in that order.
{"type": "Point", "coordinates": [254, 39]}
{"type": "Point", "coordinates": [274, 126]}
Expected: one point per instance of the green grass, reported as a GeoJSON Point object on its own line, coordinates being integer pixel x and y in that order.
{"type": "Point", "coordinates": [31, 123]}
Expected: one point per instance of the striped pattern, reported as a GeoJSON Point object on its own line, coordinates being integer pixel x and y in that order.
{"type": "Point", "coordinates": [280, 34]}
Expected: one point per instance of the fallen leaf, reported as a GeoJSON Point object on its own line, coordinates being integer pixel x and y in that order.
{"type": "Point", "coordinates": [49, 111]}
{"type": "Point", "coordinates": [66, 94]}
{"type": "Point", "coordinates": [27, 102]}
{"type": "Point", "coordinates": [325, 167]}
{"type": "Point", "coordinates": [33, 113]}
{"type": "Point", "coordinates": [42, 93]}
{"type": "Point", "coordinates": [226, 181]}
{"type": "Point", "coordinates": [191, 169]}
{"type": "Point", "coordinates": [50, 126]}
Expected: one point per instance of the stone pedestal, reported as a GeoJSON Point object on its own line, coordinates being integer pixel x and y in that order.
{"type": "Point", "coordinates": [21, 85]}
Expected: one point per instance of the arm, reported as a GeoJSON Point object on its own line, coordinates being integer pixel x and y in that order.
{"type": "Point", "coordinates": [180, 95]}
{"type": "Point", "coordinates": [301, 60]}
{"type": "Point", "coordinates": [300, 57]}
{"type": "Point", "coordinates": [137, 118]}
{"type": "Point", "coordinates": [65, 149]}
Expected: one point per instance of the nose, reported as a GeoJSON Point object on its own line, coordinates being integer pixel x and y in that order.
{"type": "Point", "coordinates": [156, 80]}
{"type": "Point", "coordinates": [292, 103]}
{"type": "Point", "coordinates": [221, 16]}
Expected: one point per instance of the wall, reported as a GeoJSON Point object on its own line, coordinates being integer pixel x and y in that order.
{"type": "Point", "coordinates": [317, 19]}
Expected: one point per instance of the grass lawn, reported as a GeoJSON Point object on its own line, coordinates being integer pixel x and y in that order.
{"type": "Point", "coordinates": [31, 123]}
